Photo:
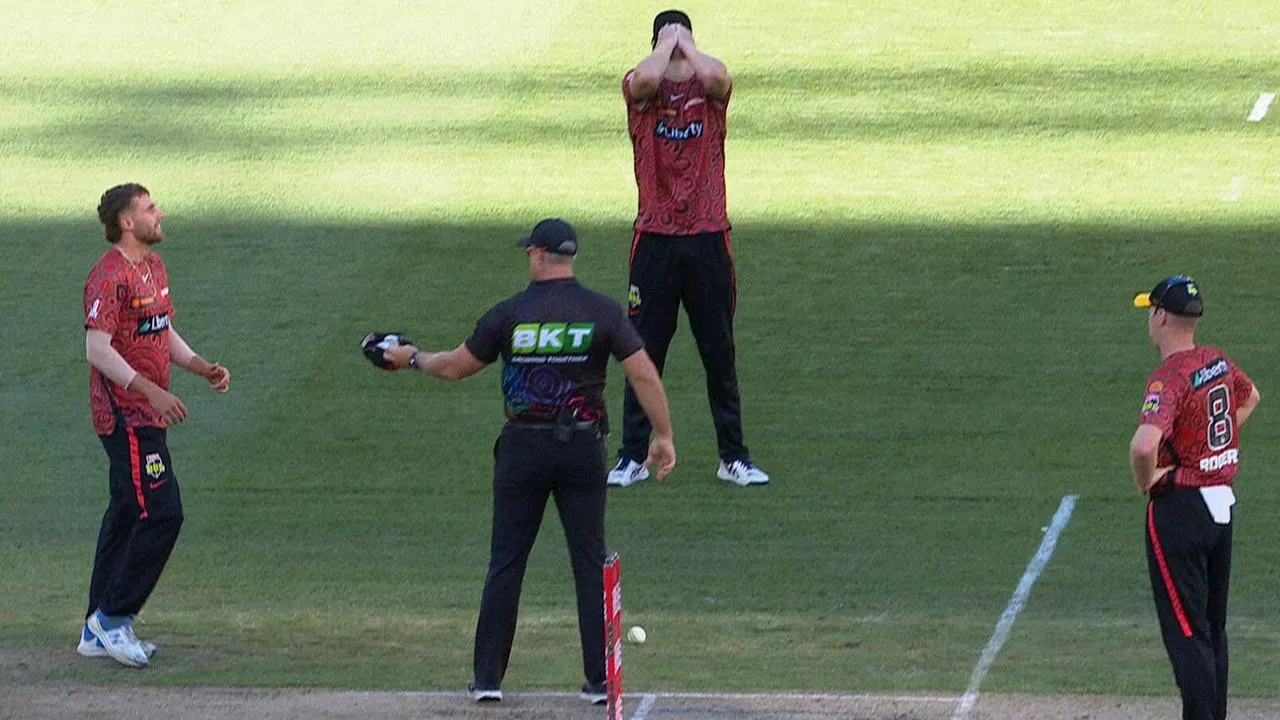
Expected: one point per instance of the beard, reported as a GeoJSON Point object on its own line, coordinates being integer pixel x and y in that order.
{"type": "Point", "coordinates": [153, 237]}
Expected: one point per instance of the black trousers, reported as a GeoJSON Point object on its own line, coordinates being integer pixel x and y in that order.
{"type": "Point", "coordinates": [530, 465]}
{"type": "Point", "coordinates": [696, 270]}
{"type": "Point", "coordinates": [1189, 558]}
{"type": "Point", "coordinates": [140, 527]}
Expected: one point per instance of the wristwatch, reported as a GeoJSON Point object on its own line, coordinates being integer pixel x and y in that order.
{"type": "Point", "coordinates": [413, 359]}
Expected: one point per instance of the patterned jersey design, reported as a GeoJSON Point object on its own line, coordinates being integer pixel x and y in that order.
{"type": "Point", "coordinates": [559, 366]}
{"type": "Point", "coordinates": [677, 138]}
{"type": "Point", "coordinates": [132, 304]}
{"type": "Point", "coordinates": [1193, 398]}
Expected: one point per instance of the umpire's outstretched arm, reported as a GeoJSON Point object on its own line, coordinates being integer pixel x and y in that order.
{"type": "Point", "coordinates": [455, 364]}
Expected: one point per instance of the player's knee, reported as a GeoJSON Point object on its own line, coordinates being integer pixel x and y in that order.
{"type": "Point", "coordinates": [168, 519]}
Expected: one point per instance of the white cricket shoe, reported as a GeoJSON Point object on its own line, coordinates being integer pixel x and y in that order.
{"type": "Point", "coordinates": [91, 647]}
{"type": "Point", "coordinates": [484, 695]}
{"type": "Point", "coordinates": [742, 472]}
{"type": "Point", "coordinates": [117, 638]}
{"type": "Point", "coordinates": [627, 472]}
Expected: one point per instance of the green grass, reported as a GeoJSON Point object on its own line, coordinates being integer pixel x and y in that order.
{"type": "Point", "coordinates": [940, 216]}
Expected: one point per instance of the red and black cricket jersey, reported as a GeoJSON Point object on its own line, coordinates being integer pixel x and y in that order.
{"type": "Point", "coordinates": [1193, 398]}
{"type": "Point", "coordinates": [677, 137]}
{"type": "Point", "coordinates": [131, 302]}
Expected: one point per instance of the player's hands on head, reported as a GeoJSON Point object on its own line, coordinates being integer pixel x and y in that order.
{"type": "Point", "coordinates": [683, 36]}
{"type": "Point", "coordinates": [669, 33]}
{"type": "Point", "coordinates": [662, 457]}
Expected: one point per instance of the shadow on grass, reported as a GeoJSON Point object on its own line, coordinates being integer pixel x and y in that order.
{"type": "Point", "coordinates": [238, 117]}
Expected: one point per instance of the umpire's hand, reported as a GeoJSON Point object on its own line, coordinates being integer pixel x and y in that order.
{"type": "Point", "coordinates": [662, 456]}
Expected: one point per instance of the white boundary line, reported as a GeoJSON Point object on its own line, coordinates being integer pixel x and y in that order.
{"type": "Point", "coordinates": [646, 705]}
{"type": "Point", "coordinates": [1261, 107]}
{"type": "Point", "coordinates": [1019, 600]}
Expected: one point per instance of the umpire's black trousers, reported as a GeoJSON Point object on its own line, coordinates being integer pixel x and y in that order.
{"type": "Point", "coordinates": [530, 465]}
{"type": "Point", "coordinates": [1189, 558]}
{"type": "Point", "coordinates": [140, 527]}
{"type": "Point", "coordinates": [696, 270]}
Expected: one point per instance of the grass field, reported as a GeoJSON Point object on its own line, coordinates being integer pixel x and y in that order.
{"type": "Point", "coordinates": [941, 214]}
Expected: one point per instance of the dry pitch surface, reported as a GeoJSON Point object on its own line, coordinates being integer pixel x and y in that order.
{"type": "Point", "coordinates": [104, 703]}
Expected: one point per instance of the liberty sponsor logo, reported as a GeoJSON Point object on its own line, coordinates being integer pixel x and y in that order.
{"type": "Point", "coordinates": [673, 132]}
{"type": "Point", "coordinates": [93, 311]}
{"type": "Point", "coordinates": [153, 324]}
{"type": "Point", "coordinates": [1150, 404]}
{"type": "Point", "coordinates": [552, 338]}
{"type": "Point", "coordinates": [155, 467]}
{"type": "Point", "coordinates": [1219, 461]}
{"type": "Point", "coordinates": [1209, 373]}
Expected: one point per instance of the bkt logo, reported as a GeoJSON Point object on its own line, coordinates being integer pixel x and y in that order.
{"type": "Point", "coordinates": [551, 338]}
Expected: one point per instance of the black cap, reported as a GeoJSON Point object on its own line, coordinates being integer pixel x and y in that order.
{"type": "Point", "coordinates": [553, 235]}
{"type": "Point", "coordinates": [669, 17]}
{"type": "Point", "coordinates": [1178, 294]}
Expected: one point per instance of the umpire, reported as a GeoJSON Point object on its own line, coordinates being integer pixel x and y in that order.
{"type": "Point", "coordinates": [554, 338]}
{"type": "Point", "coordinates": [1184, 455]}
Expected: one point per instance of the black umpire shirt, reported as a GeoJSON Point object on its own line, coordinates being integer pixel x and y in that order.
{"type": "Point", "coordinates": [555, 339]}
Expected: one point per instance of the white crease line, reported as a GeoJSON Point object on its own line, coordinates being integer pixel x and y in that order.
{"type": "Point", "coordinates": [813, 697]}
{"type": "Point", "coordinates": [1235, 190]}
{"type": "Point", "coordinates": [806, 696]}
{"type": "Point", "coordinates": [646, 705]}
{"type": "Point", "coordinates": [1019, 600]}
{"type": "Point", "coordinates": [1261, 107]}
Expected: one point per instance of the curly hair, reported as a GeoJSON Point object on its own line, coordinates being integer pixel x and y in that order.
{"type": "Point", "coordinates": [115, 201]}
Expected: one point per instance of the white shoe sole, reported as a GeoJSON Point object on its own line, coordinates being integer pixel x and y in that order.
{"type": "Point", "coordinates": [92, 649]}
{"type": "Point", "coordinates": [120, 656]}
{"type": "Point", "coordinates": [740, 482]}
{"type": "Point", "coordinates": [619, 480]}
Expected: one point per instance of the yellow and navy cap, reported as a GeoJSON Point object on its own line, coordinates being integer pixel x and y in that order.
{"type": "Point", "coordinates": [1178, 294]}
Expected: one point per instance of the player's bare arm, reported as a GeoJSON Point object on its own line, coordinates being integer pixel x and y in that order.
{"type": "Point", "coordinates": [1248, 407]}
{"type": "Point", "coordinates": [647, 384]}
{"type": "Point", "coordinates": [454, 364]}
{"type": "Point", "coordinates": [111, 364]}
{"type": "Point", "coordinates": [713, 73]}
{"type": "Point", "coordinates": [648, 74]}
{"type": "Point", "coordinates": [181, 354]}
{"type": "Point", "coordinates": [1143, 451]}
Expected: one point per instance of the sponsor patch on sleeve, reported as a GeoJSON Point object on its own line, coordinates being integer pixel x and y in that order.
{"type": "Point", "coordinates": [1155, 387]}
{"type": "Point", "coordinates": [1151, 403]}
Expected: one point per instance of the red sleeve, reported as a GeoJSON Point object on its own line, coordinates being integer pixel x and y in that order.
{"type": "Point", "coordinates": [632, 102]}
{"type": "Point", "coordinates": [727, 96]}
{"type": "Point", "coordinates": [103, 297]}
{"type": "Point", "coordinates": [1160, 402]}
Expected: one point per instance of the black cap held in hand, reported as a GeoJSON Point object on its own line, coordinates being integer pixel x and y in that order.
{"type": "Point", "coordinates": [669, 17]}
{"type": "Point", "coordinates": [1178, 294]}
{"type": "Point", "coordinates": [553, 235]}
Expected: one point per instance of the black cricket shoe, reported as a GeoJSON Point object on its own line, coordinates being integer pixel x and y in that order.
{"type": "Point", "coordinates": [594, 694]}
